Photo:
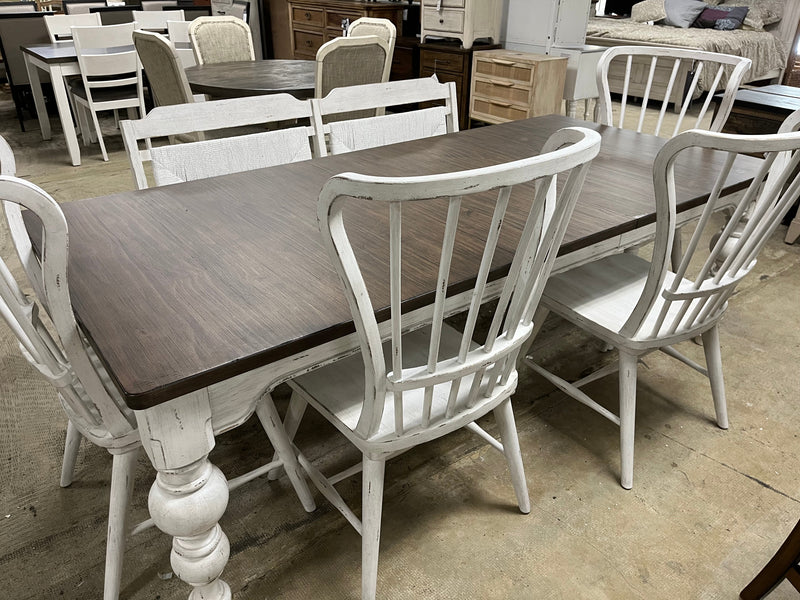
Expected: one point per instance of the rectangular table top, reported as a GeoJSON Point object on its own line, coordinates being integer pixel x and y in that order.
{"type": "Point", "coordinates": [183, 286]}
{"type": "Point", "coordinates": [64, 52]}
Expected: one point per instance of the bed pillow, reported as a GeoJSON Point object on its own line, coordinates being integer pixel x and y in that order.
{"type": "Point", "coordinates": [682, 13]}
{"type": "Point", "coordinates": [761, 13]}
{"type": "Point", "coordinates": [649, 10]}
{"type": "Point", "coordinates": [724, 18]}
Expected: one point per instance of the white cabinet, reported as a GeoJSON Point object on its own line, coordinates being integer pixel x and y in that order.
{"type": "Point", "coordinates": [466, 20]}
{"type": "Point", "coordinates": [544, 24]}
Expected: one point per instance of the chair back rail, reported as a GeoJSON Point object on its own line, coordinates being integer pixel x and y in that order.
{"type": "Point", "coordinates": [59, 27]}
{"type": "Point", "coordinates": [368, 132]}
{"type": "Point", "coordinates": [718, 72]}
{"type": "Point", "coordinates": [156, 19]}
{"type": "Point", "coordinates": [475, 370]}
{"type": "Point", "coordinates": [704, 280]}
{"type": "Point", "coordinates": [74, 7]}
{"type": "Point", "coordinates": [163, 121]}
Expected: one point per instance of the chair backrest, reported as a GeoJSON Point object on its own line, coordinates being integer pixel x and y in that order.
{"type": "Point", "coordinates": [475, 372]}
{"type": "Point", "coordinates": [18, 29]}
{"type": "Point", "coordinates": [221, 39]}
{"type": "Point", "coordinates": [8, 165]}
{"type": "Point", "coordinates": [156, 20]}
{"type": "Point", "coordinates": [116, 66]}
{"type": "Point", "coordinates": [687, 72]}
{"type": "Point", "coordinates": [64, 359]}
{"type": "Point", "coordinates": [165, 74]}
{"type": "Point", "coordinates": [383, 28]}
{"type": "Point", "coordinates": [347, 61]}
{"type": "Point", "coordinates": [59, 27]}
{"type": "Point", "coordinates": [17, 7]}
{"type": "Point", "coordinates": [368, 132]}
{"type": "Point", "coordinates": [159, 4]}
{"type": "Point", "coordinates": [114, 15]}
{"type": "Point", "coordinates": [75, 7]}
{"type": "Point", "coordinates": [706, 277]}
{"type": "Point", "coordinates": [208, 158]}
{"type": "Point", "coordinates": [178, 32]}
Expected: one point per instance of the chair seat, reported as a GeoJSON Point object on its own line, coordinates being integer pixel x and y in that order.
{"type": "Point", "coordinates": [338, 390]}
{"type": "Point", "coordinates": [601, 296]}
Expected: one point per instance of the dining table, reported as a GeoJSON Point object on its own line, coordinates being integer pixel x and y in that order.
{"type": "Point", "coordinates": [200, 297]}
{"type": "Point", "coordinates": [253, 78]}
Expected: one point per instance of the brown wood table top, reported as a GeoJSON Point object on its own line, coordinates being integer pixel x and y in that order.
{"type": "Point", "coordinates": [253, 78]}
{"type": "Point", "coordinates": [183, 286]}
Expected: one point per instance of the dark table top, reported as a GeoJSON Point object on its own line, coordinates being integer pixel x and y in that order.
{"type": "Point", "coordinates": [254, 78]}
{"type": "Point", "coordinates": [779, 98]}
{"type": "Point", "coordinates": [64, 52]}
{"type": "Point", "coordinates": [183, 286]}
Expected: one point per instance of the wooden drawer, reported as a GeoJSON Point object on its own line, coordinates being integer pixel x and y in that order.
{"type": "Point", "coordinates": [447, 20]}
{"type": "Point", "coordinates": [442, 61]}
{"type": "Point", "coordinates": [445, 3]}
{"type": "Point", "coordinates": [307, 43]}
{"type": "Point", "coordinates": [307, 16]}
{"type": "Point", "coordinates": [504, 91]}
{"type": "Point", "coordinates": [334, 18]}
{"type": "Point", "coordinates": [506, 69]}
{"type": "Point", "coordinates": [493, 111]}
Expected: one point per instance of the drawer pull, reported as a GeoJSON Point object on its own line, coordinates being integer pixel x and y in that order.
{"type": "Point", "coordinates": [502, 104]}
{"type": "Point", "coordinates": [308, 43]}
{"type": "Point", "coordinates": [501, 83]}
{"type": "Point", "coordinates": [308, 16]}
{"type": "Point", "coordinates": [499, 61]}
{"type": "Point", "coordinates": [441, 21]}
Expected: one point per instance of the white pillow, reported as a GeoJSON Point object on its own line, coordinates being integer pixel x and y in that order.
{"type": "Point", "coordinates": [682, 13]}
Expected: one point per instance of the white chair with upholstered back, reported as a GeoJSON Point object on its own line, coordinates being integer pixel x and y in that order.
{"type": "Point", "coordinates": [638, 305]}
{"type": "Point", "coordinates": [347, 61]}
{"type": "Point", "coordinates": [428, 379]}
{"type": "Point", "coordinates": [165, 72]}
{"type": "Point", "coordinates": [383, 28]}
{"type": "Point", "coordinates": [221, 39]}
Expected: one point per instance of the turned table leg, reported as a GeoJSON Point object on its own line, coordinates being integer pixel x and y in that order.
{"type": "Point", "coordinates": [190, 494]}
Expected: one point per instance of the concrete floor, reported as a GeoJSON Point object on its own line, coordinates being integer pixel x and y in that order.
{"type": "Point", "coordinates": [708, 507]}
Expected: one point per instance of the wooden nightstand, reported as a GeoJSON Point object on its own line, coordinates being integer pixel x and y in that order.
{"type": "Point", "coordinates": [450, 62]}
{"type": "Point", "coordinates": [508, 85]}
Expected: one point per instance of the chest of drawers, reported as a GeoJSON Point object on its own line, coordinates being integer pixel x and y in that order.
{"type": "Point", "coordinates": [314, 22]}
{"type": "Point", "coordinates": [508, 85]}
{"type": "Point", "coordinates": [465, 20]}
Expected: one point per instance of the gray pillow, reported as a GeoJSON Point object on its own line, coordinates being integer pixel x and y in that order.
{"type": "Point", "coordinates": [682, 13]}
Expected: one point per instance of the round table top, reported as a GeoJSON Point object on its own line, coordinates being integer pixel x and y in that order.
{"type": "Point", "coordinates": [253, 78]}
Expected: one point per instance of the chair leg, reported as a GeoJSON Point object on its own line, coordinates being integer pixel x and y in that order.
{"type": "Point", "coordinates": [372, 505]}
{"type": "Point", "coordinates": [627, 415]}
{"type": "Point", "coordinates": [294, 414]}
{"type": "Point", "coordinates": [777, 569]}
{"type": "Point", "coordinates": [268, 415]}
{"type": "Point", "coordinates": [122, 473]}
{"type": "Point", "coordinates": [99, 134]}
{"type": "Point", "coordinates": [71, 447]}
{"type": "Point", "coordinates": [714, 367]}
{"type": "Point", "coordinates": [508, 435]}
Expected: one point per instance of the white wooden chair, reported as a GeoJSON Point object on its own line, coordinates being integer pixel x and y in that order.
{"type": "Point", "coordinates": [421, 385]}
{"type": "Point", "coordinates": [639, 305]}
{"type": "Point", "coordinates": [208, 158]}
{"type": "Point", "coordinates": [383, 28]}
{"type": "Point", "coordinates": [156, 20]}
{"type": "Point", "coordinates": [792, 123]}
{"type": "Point", "coordinates": [221, 39]}
{"type": "Point", "coordinates": [368, 132]}
{"type": "Point", "coordinates": [111, 75]}
{"type": "Point", "coordinates": [720, 72]}
{"type": "Point", "coordinates": [59, 27]}
{"type": "Point", "coordinates": [178, 32]}
{"type": "Point", "coordinates": [347, 61]}
{"type": "Point", "coordinates": [94, 407]}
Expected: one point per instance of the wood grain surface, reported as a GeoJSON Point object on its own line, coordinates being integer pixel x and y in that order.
{"type": "Point", "coordinates": [253, 78]}
{"type": "Point", "coordinates": [182, 286]}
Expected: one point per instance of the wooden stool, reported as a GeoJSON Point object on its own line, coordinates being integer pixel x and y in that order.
{"type": "Point", "coordinates": [784, 565]}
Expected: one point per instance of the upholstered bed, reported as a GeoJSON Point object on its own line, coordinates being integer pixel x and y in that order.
{"type": "Point", "coordinates": [768, 49]}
